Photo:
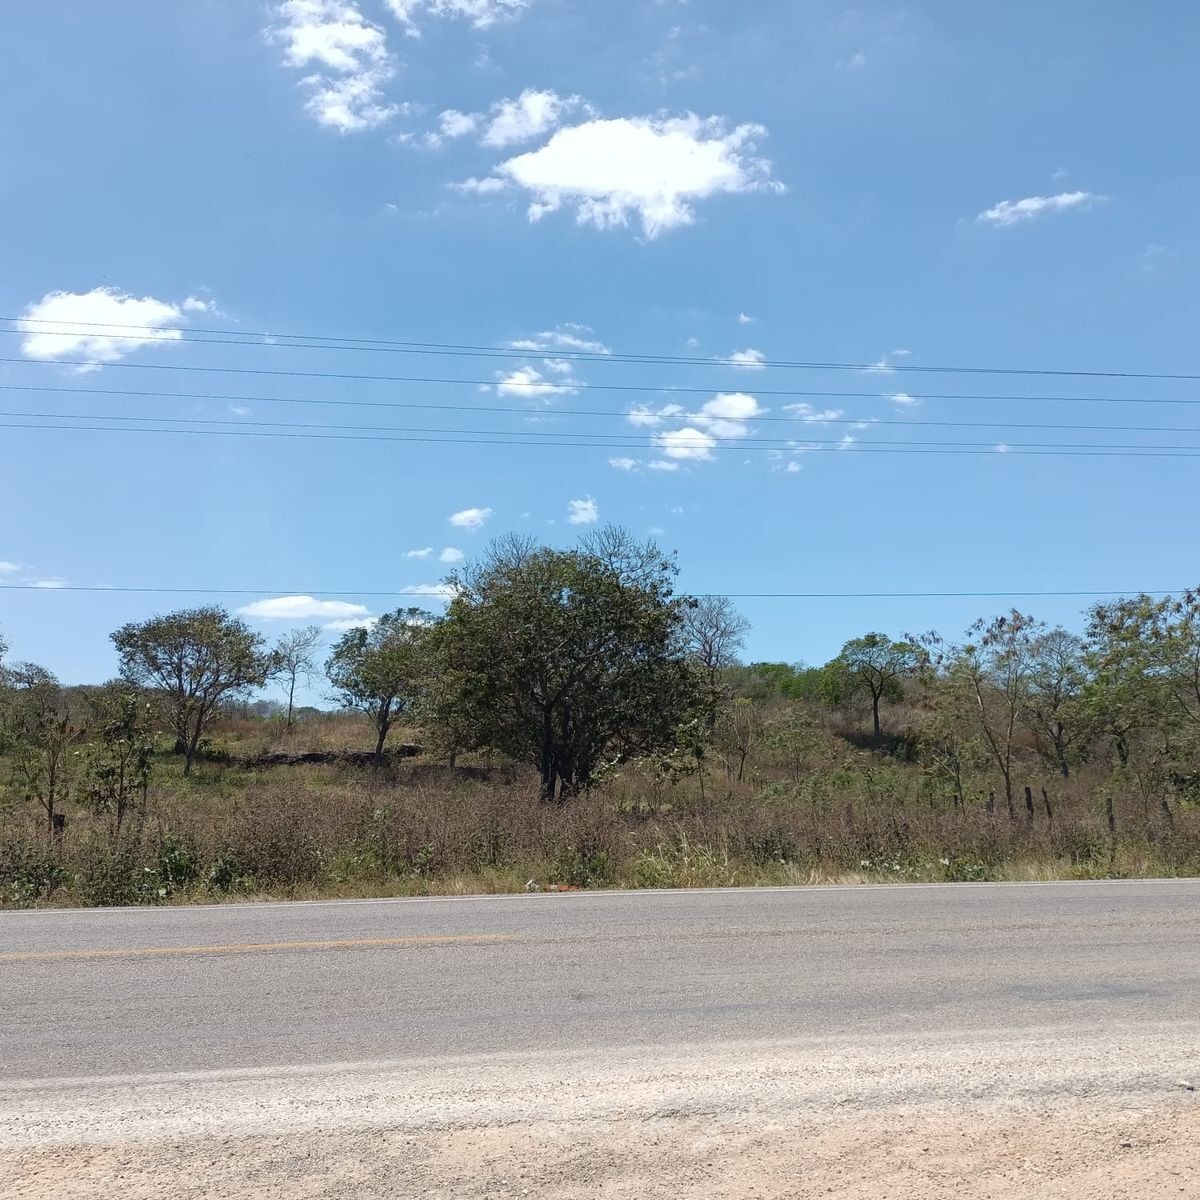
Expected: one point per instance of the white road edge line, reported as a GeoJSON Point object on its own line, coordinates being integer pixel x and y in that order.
{"type": "Point", "coordinates": [608, 894]}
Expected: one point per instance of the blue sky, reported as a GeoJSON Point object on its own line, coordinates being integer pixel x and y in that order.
{"type": "Point", "coordinates": [890, 185]}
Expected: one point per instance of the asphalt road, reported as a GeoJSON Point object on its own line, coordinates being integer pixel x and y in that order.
{"type": "Point", "coordinates": [86, 993]}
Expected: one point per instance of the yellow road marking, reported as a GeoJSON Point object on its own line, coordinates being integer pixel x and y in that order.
{"type": "Point", "coordinates": [258, 947]}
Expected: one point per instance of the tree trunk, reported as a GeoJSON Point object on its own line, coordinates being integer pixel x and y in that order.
{"type": "Point", "coordinates": [291, 697]}
{"type": "Point", "coordinates": [1029, 803]}
{"type": "Point", "coordinates": [991, 802]}
{"type": "Point", "coordinates": [383, 732]}
{"type": "Point", "coordinates": [1049, 810]}
{"type": "Point", "coordinates": [875, 715]}
{"type": "Point", "coordinates": [1012, 809]}
{"type": "Point", "coordinates": [1166, 807]}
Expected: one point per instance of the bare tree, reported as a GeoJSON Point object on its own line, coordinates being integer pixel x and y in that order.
{"type": "Point", "coordinates": [295, 659]}
{"type": "Point", "coordinates": [715, 631]}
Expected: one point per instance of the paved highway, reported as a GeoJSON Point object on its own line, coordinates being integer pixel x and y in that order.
{"type": "Point", "coordinates": [113, 992]}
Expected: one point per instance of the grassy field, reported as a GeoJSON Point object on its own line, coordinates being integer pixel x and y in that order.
{"type": "Point", "coordinates": [836, 813]}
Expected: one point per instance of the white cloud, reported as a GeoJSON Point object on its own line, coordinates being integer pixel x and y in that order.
{"type": "Point", "coordinates": [745, 319]}
{"type": "Point", "coordinates": [303, 608]}
{"type": "Point", "coordinates": [1012, 212]}
{"type": "Point", "coordinates": [470, 518]}
{"type": "Point", "coordinates": [423, 552]}
{"type": "Point", "coordinates": [579, 338]}
{"type": "Point", "coordinates": [451, 554]}
{"type": "Point", "coordinates": [649, 418]}
{"type": "Point", "coordinates": [661, 464]}
{"type": "Point", "coordinates": [726, 414]}
{"type": "Point", "coordinates": [903, 399]}
{"type": "Point", "coordinates": [1001, 448]}
{"type": "Point", "coordinates": [344, 623]}
{"type": "Point", "coordinates": [686, 443]}
{"type": "Point", "coordinates": [747, 360]}
{"type": "Point", "coordinates": [529, 115]}
{"type": "Point", "coordinates": [430, 591]}
{"type": "Point", "coordinates": [885, 365]}
{"type": "Point", "coordinates": [652, 168]}
{"type": "Point", "coordinates": [481, 187]}
{"type": "Point", "coordinates": [197, 304]}
{"type": "Point", "coordinates": [454, 124]}
{"type": "Point", "coordinates": [351, 58]}
{"type": "Point", "coordinates": [582, 512]}
{"type": "Point", "coordinates": [480, 13]}
{"type": "Point", "coordinates": [48, 584]}
{"type": "Point", "coordinates": [620, 464]}
{"type": "Point", "coordinates": [104, 325]}
{"type": "Point", "coordinates": [815, 416]}
{"type": "Point", "coordinates": [8, 568]}
{"type": "Point", "coordinates": [792, 468]}
{"type": "Point", "coordinates": [529, 382]}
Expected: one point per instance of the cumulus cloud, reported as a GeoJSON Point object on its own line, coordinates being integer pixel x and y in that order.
{"type": "Point", "coordinates": [529, 382]}
{"type": "Point", "coordinates": [350, 58]}
{"type": "Point", "coordinates": [470, 518]}
{"type": "Point", "coordinates": [9, 568]}
{"type": "Point", "coordinates": [623, 464]}
{"type": "Point", "coordinates": [104, 325]}
{"type": "Point", "coordinates": [688, 443]}
{"type": "Point", "coordinates": [47, 584]}
{"type": "Point", "coordinates": [903, 399]}
{"type": "Point", "coordinates": [654, 169]}
{"type": "Point", "coordinates": [747, 360]}
{"type": "Point", "coordinates": [423, 552]}
{"type": "Point", "coordinates": [529, 115]}
{"type": "Point", "coordinates": [582, 512]}
{"type": "Point", "coordinates": [745, 319]}
{"type": "Point", "coordinates": [303, 608]}
{"type": "Point", "coordinates": [453, 124]}
{"type": "Point", "coordinates": [451, 554]}
{"type": "Point", "coordinates": [1013, 212]}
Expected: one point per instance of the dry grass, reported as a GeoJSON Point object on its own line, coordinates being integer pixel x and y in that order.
{"type": "Point", "coordinates": [840, 815]}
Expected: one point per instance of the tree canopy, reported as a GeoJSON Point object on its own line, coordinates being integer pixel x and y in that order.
{"type": "Point", "coordinates": [192, 660]}
{"type": "Point", "coordinates": [568, 659]}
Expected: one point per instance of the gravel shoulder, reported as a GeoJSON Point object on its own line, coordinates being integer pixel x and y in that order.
{"type": "Point", "coordinates": [1045, 1113]}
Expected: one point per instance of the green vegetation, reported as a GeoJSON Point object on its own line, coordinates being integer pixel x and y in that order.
{"type": "Point", "coordinates": [572, 721]}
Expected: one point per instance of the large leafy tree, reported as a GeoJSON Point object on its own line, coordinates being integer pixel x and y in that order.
{"type": "Point", "coordinates": [569, 659]}
{"type": "Point", "coordinates": [382, 669]}
{"type": "Point", "coordinates": [192, 660]}
{"type": "Point", "coordinates": [871, 669]}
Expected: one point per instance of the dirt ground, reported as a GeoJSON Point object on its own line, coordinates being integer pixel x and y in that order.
{"type": "Point", "coordinates": [1057, 1116]}
{"type": "Point", "coordinates": [922, 1155]}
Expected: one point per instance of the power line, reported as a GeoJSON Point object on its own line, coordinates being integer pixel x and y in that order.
{"type": "Point", "coordinates": [810, 420]}
{"type": "Point", "coordinates": [177, 334]}
{"type": "Point", "coordinates": [579, 385]}
{"type": "Point", "coordinates": [806, 446]}
{"type": "Point", "coordinates": [1032, 593]}
{"type": "Point", "coordinates": [586, 439]}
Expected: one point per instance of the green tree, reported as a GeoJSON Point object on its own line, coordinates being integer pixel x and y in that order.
{"type": "Point", "coordinates": [40, 729]}
{"type": "Point", "coordinates": [1053, 706]}
{"type": "Point", "coordinates": [192, 660]}
{"type": "Point", "coordinates": [120, 756]}
{"type": "Point", "coordinates": [569, 659]}
{"type": "Point", "coordinates": [989, 679]}
{"type": "Point", "coordinates": [871, 669]}
{"type": "Point", "coordinates": [382, 670]}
